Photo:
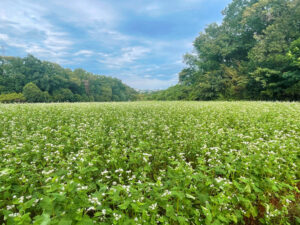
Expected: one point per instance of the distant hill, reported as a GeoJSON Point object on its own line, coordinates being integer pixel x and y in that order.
{"type": "Point", "coordinates": [32, 80]}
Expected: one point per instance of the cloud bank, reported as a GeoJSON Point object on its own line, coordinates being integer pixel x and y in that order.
{"type": "Point", "coordinates": [139, 42]}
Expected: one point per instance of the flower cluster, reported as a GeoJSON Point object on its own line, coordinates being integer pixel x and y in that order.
{"type": "Point", "coordinates": [149, 163]}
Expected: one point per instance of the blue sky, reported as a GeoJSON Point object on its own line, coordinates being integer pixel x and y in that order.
{"type": "Point", "coordinates": [140, 42]}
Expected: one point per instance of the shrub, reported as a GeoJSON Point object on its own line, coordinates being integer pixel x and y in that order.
{"type": "Point", "coordinates": [12, 97]}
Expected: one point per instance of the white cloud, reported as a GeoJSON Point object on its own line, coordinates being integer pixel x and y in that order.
{"type": "Point", "coordinates": [42, 29]}
{"type": "Point", "coordinates": [156, 8]}
{"type": "Point", "coordinates": [108, 36]}
{"type": "Point", "coordinates": [126, 56]}
{"type": "Point", "coordinates": [86, 12]}
{"type": "Point", "coordinates": [22, 20]}
{"type": "Point", "coordinates": [3, 37]}
{"type": "Point", "coordinates": [84, 53]}
{"type": "Point", "coordinates": [148, 83]}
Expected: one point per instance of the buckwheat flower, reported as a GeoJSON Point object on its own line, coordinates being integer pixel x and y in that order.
{"type": "Point", "coordinates": [14, 214]}
{"type": "Point", "coordinates": [119, 170]}
{"type": "Point", "coordinates": [153, 206]}
{"type": "Point", "coordinates": [29, 197]}
{"type": "Point", "coordinates": [9, 207]}
{"type": "Point", "coordinates": [91, 208]}
{"type": "Point", "coordinates": [117, 216]}
{"type": "Point", "coordinates": [219, 179]}
{"type": "Point", "coordinates": [167, 192]}
{"type": "Point", "coordinates": [21, 199]}
{"type": "Point", "coordinates": [104, 172]}
{"type": "Point", "coordinates": [48, 179]}
{"type": "Point", "coordinates": [103, 212]}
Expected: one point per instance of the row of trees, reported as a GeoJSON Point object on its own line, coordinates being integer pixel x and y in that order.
{"type": "Point", "coordinates": [254, 54]}
{"type": "Point", "coordinates": [42, 81]}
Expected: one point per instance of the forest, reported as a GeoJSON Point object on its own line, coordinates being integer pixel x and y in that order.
{"type": "Point", "coordinates": [254, 54]}
{"type": "Point", "coordinates": [32, 80]}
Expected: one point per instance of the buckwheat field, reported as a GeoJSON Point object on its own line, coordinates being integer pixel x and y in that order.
{"type": "Point", "coordinates": [150, 163]}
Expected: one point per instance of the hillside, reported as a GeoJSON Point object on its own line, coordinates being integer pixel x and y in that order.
{"type": "Point", "coordinates": [254, 54]}
{"type": "Point", "coordinates": [32, 80]}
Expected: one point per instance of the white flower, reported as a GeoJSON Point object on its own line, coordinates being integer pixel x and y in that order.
{"type": "Point", "coordinates": [14, 214]}
{"type": "Point", "coordinates": [91, 208]}
{"type": "Point", "coordinates": [219, 179]}
{"type": "Point", "coordinates": [167, 192]}
{"type": "Point", "coordinates": [153, 206]}
{"type": "Point", "coordinates": [104, 172]}
{"type": "Point", "coordinates": [117, 216]}
{"type": "Point", "coordinates": [9, 207]}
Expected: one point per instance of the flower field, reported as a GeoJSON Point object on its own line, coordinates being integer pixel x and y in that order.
{"type": "Point", "coordinates": [150, 163]}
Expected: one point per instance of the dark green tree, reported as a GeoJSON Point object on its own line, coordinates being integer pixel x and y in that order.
{"type": "Point", "coordinates": [252, 54]}
{"type": "Point", "coordinates": [59, 84]}
{"type": "Point", "coordinates": [32, 93]}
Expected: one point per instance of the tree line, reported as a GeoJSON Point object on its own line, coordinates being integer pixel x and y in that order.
{"type": "Point", "coordinates": [32, 80]}
{"type": "Point", "coordinates": [254, 54]}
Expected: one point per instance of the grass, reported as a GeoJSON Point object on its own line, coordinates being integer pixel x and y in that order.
{"type": "Point", "coordinates": [150, 163]}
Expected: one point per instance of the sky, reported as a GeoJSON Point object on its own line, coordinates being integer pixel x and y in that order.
{"type": "Point", "coordinates": [140, 42]}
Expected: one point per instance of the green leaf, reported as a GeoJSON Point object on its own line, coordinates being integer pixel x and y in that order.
{"type": "Point", "coordinates": [28, 204]}
{"type": "Point", "coordinates": [274, 188]}
{"type": "Point", "coordinates": [65, 221]}
{"type": "Point", "coordinates": [124, 205]}
{"type": "Point", "coordinates": [47, 204]}
{"type": "Point", "coordinates": [86, 221]}
{"type": "Point", "coordinates": [44, 219]}
{"type": "Point", "coordinates": [253, 211]}
{"type": "Point", "coordinates": [248, 188]}
{"type": "Point", "coordinates": [234, 218]}
{"type": "Point", "coordinates": [6, 172]}
{"type": "Point", "coordinates": [181, 220]}
{"type": "Point", "coordinates": [208, 216]}
{"type": "Point", "coordinates": [190, 196]}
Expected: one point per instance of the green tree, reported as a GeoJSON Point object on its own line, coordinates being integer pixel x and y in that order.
{"type": "Point", "coordinates": [32, 93]}
{"type": "Point", "coordinates": [59, 84]}
{"type": "Point", "coordinates": [63, 95]}
{"type": "Point", "coordinates": [252, 54]}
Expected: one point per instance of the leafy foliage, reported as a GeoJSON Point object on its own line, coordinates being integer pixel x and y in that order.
{"type": "Point", "coordinates": [150, 163]}
{"type": "Point", "coordinates": [32, 93]}
{"type": "Point", "coordinates": [43, 81]}
{"type": "Point", "coordinates": [12, 97]}
{"type": "Point", "coordinates": [253, 54]}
